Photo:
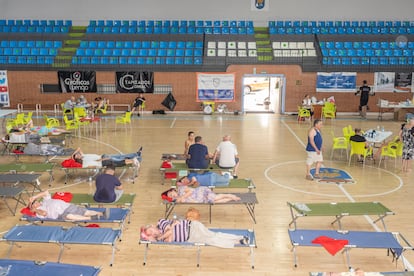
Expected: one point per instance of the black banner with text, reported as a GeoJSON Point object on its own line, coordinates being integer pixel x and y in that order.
{"type": "Point", "coordinates": [77, 81]}
{"type": "Point", "coordinates": [134, 82]}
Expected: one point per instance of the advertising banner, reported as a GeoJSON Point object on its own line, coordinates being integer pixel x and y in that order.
{"type": "Point", "coordinates": [336, 82]}
{"type": "Point", "coordinates": [215, 87]}
{"type": "Point", "coordinates": [4, 89]}
{"type": "Point", "coordinates": [77, 81]}
{"type": "Point", "coordinates": [134, 82]}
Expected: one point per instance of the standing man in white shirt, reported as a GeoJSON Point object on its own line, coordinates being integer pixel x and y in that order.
{"type": "Point", "coordinates": [226, 155]}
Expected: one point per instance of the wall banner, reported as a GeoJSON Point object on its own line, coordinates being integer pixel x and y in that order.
{"type": "Point", "coordinates": [336, 82]}
{"type": "Point", "coordinates": [403, 82]}
{"type": "Point", "coordinates": [77, 81]}
{"type": "Point", "coordinates": [215, 87]}
{"type": "Point", "coordinates": [384, 81]}
{"type": "Point", "coordinates": [4, 89]}
{"type": "Point", "coordinates": [134, 82]}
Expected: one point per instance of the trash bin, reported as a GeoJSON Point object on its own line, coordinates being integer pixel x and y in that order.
{"type": "Point", "coordinates": [208, 107]}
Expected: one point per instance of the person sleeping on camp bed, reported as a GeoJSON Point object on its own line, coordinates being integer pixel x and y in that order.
{"type": "Point", "coordinates": [189, 231]}
{"type": "Point", "coordinates": [98, 161]}
{"type": "Point", "coordinates": [185, 194]}
{"type": "Point", "coordinates": [204, 179]}
{"type": "Point", "coordinates": [51, 208]}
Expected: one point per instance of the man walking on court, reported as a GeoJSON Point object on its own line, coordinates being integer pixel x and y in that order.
{"type": "Point", "coordinates": [314, 150]}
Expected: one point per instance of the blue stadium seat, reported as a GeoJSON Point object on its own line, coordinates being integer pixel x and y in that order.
{"type": "Point", "coordinates": [143, 52]}
{"type": "Point", "coordinates": [125, 52]}
{"type": "Point", "coordinates": [365, 60]}
{"type": "Point", "coordinates": [336, 61]}
{"type": "Point", "coordinates": [374, 60]}
{"type": "Point", "coordinates": [200, 23]}
{"type": "Point", "coordinates": [132, 30]}
{"type": "Point", "coordinates": [217, 30]}
{"type": "Point", "coordinates": [155, 44]}
{"type": "Point", "coordinates": [182, 30]}
{"type": "Point", "coordinates": [123, 60]}
{"type": "Point", "coordinates": [21, 43]}
{"type": "Point", "coordinates": [44, 51]}
{"type": "Point", "coordinates": [355, 61]}
{"type": "Point", "coordinates": [34, 51]}
{"type": "Point", "coordinates": [141, 60]}
{"type": "Point", "coordinates": [188, 61]}
{"type": "Point", "coordinates": [330, 44]}
{"type": "Point", "coordinates": [369, 52]}
{"type": "Point", "coordinates": [89, 52]}
{"type": "Point", "coordinates": [179, 60]}
{"type": "Point", "coordinates": [169, 60]}
{"type": "Point", "coordinates": [348, 45]}
{"type": "Point", "coordinates": [342, 52]}
{"type": "Point", "coordinates": [383, 61]}
{"type": "Point", "coordinates": [136, 44]}
{"type": "Point", "coordinates": [272, 30]}
{"type": "Point", "coordinates": [160, 60]}
{"type": "Point", "coordinates": [179, 52]}
{"type": "Point", "coordinates": [116, 52]}
{"type": "Point", "coordinates": [250, 30]}
{"type": "Point", "coordinates": [191, 30]}
{"type": "Point", "coordinates": [357, 44]}
{"type": "Point", "coordinates": [149, 60]}
{"type": "Point", "coordinates": [107, 52]}
{"type": "Point", "coordinates": [13, 43]}
{"type": "Point", "coordinates": [351, 52]}
{"type": "Point", "coordinates": [393, 61]}
{"type": "Point", "coordinates": [166, 23]}
{"type": "Point", "coordinates": [402, 61]}
{"type": "Point", "coordinates": [132, 60]}
{"type": "Point", "coordinates": [345, 61]}
{"type": "Point", "coordinates": [189, 52]}
{"type": "Point", "coordinates": [360, 52]}
{"type": "Point", "coordinates": [17, 51]}
{"type": "Point", "coordinates": [198, 52]}
{"type": "Point", "coordinates": [145, 44]}
{"type": "Point", "coordinates": [152, 52]}
{"type": "Point", "coordinates": [149, 30]}
{"type": "Point", "coordinates": [181, 44]}
{"type": "Point", "coordinates": [198, 60]}
{"type": "Point", "coordinates": [98, 52]}
{"type": "Point", "coordinates": [104, 60]}
{"type": "Point", "coordinates": [366, 44]}
{"type": "Point", "coordinates": [4, 43]}
{"type": "Point", "coordinates": [80, 52]}
{"type": "Point", "coordinates": [175, 23]}
{"type": "Point", "coordinates": [191, 23]}
{"type": "Point", "coordinates": [407, 52]}
{"type": "Point", "coordinates": [333, 52]}
{"type": "Point", "coordinates": [161, 52]}
{"type": "Point", "coordinates": [388, 52]}
{"type": "Point", "coordinates": [8, 51]}
{"type": "Point", "coordinates": [171, 52]}
{"type": "Point", "coordinates": [134, 52]}
{"type": "Point", "coordinates": [339, 44]}
{"type": "Point", "coordinates": [25, 51]}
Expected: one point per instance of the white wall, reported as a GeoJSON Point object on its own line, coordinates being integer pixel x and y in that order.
{"type": "Point", "coordinates": [84, 10]}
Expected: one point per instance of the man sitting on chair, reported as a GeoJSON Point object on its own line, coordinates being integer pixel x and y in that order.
{"type": "Point", "coordinates": [359, 138]}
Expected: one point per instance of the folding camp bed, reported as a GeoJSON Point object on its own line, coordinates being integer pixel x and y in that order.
{"type": "Point", "coordinates": [13, 193]}
{"type": "Point", "coordinates": [20, 178]}
{"type": "Point", "coordinates": [116, 215]}
{"type": "Point", "coordinates": [28, 167]}
{"type": "Point", "coordinates": [62, 236]}
{"type": "Point", "coordinates": [93, 172]}
{"type": "Point", "coordinates": [126, 200]}
{"type": "Point", "coordinates": [181, 169]}
{"type": "Point", "coordinates": [174, 156]}
{"type": "Point", "coordinates": [40, 268]}
{"type": "Point", "coordinates": [339, 210]}
{"type": "Point", "coordinates": [354, 239]}
{"type": "Point", "coordinates": [247, 199]}
{"type": "Point", "coordinates": [239, 183]}
{"type": "Point", "coordinates": [241, 232]}
{"type": "Point", "coordinates": [46, 156]}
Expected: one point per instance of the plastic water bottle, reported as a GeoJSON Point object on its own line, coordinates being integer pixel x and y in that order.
{"type": "Point", "coordinates": [382, 129]}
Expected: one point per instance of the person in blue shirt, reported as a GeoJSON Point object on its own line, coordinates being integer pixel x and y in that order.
{"type": "Point", "coordinates": [108, 187]}
{"type": "Point", "coordinates": [314, 150]}
{"type": "Point", "coordinates": [198, 156]}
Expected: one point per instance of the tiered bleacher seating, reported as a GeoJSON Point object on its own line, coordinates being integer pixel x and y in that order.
{"type": "Point", "coordinates": [35, 26]}
{"type": "Point", "coordinates": [170, 27]}
{"type": "Point", "coordinates": [139, 52]}
{"type": "Point", "coordinates": [28, 51]}
{"type": "Point", "coordinates": [341, 27]}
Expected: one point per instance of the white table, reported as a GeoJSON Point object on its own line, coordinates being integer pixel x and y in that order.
{"type": "Point", "coordinates": [382, 107]}
{"type": "Point", "coordinates": [378, 137]}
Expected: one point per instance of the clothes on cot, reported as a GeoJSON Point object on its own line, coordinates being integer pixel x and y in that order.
{"type": "Point", "coordinates": [211, 179]}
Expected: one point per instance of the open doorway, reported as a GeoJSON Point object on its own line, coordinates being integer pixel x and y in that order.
{"type": "Point", "coordinates": [262, 93]}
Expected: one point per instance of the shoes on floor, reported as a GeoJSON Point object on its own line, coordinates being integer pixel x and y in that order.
{"type": "Point", "coordinates": [139, 150]}
{"type": "Point", "coordinates": [317, 176]}
{"type": "Point", "coordinates": [234, 176]}
{"type": "Point", "coordinates": [136, 162]}
{"type": "Point", "coordinates": [245, 240]}
{"type": "Point", "coordinates": [309, 177]}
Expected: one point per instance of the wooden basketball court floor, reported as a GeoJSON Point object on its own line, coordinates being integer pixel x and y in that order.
{"type": "Point", "coordinates": [271, 149]}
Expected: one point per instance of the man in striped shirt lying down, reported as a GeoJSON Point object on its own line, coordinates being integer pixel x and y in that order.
{"type": "Point", "coordinates": [189, 231]}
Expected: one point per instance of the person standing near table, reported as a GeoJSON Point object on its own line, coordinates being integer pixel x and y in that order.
{"type": "Point", "coordinates": [314, 150]}
{"type": "Point", "coordinates": [407, 137]}
{"type": "Point", "coordinates": [364, 90]}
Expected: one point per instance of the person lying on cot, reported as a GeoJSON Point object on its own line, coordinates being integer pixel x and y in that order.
{"type": "Point", "coordinates": [116, 160]}
{"type": "Point", "coordinates": [189, 231]}
{"type": "Point", "coordinates": [204, 179]}
{"type": "Point", "coordinates": [46, 207]}
{"type": "Point", "coordinates": [185, 194]}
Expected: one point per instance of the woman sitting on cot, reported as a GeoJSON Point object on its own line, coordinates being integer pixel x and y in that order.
{"type": "Point", "coordinates": [189, 231]}
{"type": "Point", "coordinates": [185, 194]}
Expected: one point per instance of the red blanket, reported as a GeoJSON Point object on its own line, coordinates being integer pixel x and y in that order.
{"type": "Point", "coordinates": [331, 245]}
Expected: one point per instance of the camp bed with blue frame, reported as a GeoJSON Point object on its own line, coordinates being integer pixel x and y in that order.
{"type": "Point", "coordinates": [390, 273]}
{"type": "Point", "coordinates": [241, 232]}
{"type": "Point", "coordinates": [116, 215]}
{"type": "Point", "coordinates": [62, 236]}
{"type": "Point", "coordinates": [126, 200]}
{"type": "Point", "coordinates": [247, 199]}
{"type": "Point", "coordinates": [22, 178]}
{"type": "Point", "coordinates": [28, 168]}
{"type": "Point", "coordinates": [182, 169]}
{"type": "Point", "coordinates": [339, 210]}
{"type": "Point", "coordinates": [40, 268]}
{"type": "Point", "coordinates": [356, 239]}
{"type": "Point", "coordinates": [239, 183]}
{"type": "Point", "coordinates": [93, 172]}
{"type": "Point", "coordinates": [12, 193]}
